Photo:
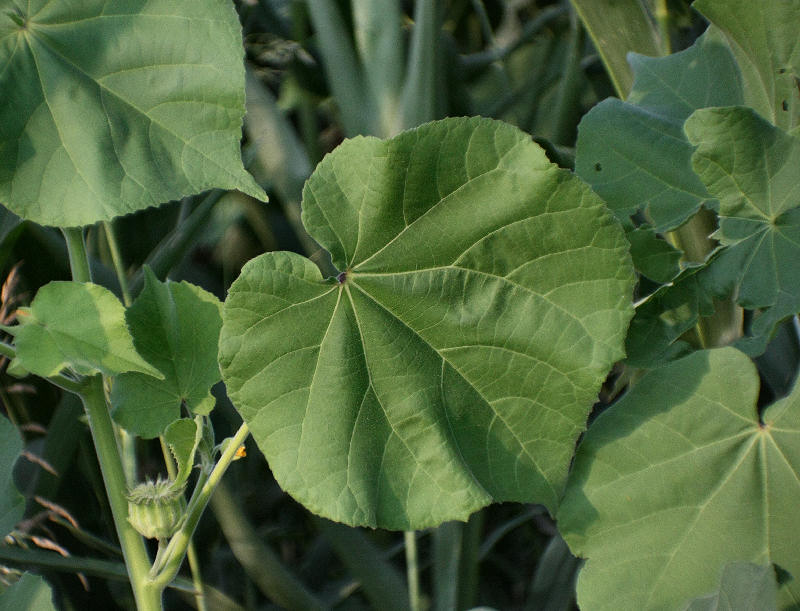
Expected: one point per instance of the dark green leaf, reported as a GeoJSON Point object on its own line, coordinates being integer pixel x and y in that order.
{"type": "Point", "coordinates": [752, 167]}
{"type": "Point", "coordinates": [763, 37]}
{"type": "Point", "coordinates": [175, 326]}
{"type": "Point", "coordinates": [653, 256]}
{"type": "Point", "coordinates": [635, 154]}
{"type": "Point", "coordinates": [483, 297]}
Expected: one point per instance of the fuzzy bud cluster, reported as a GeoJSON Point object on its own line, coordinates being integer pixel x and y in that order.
{"type": "Point", "coordinates": [156, 508]}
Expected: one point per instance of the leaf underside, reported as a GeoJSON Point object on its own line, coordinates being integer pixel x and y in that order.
{"type": "Point", "coordinates": [484, 295]}
{"type": "Point", "coordinates": [77, 325]}
{"type": "Point", "coordinates": [112, 107]}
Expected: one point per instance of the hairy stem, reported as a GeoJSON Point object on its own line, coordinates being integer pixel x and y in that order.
{"type": "Point", "coordinates": [148, 597]}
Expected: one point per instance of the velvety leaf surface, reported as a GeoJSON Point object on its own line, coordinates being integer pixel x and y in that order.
{"type": "Point", "coordinates": [634, 153]}
{"type": "Point", "coordinates": [483, 297]}
{"type": "Point", "coordinates": [752, 167]}
{"type": "Point", "coordinates": [30, 593]}
{"type": "Point", "coordinates": [183, 436]}
{"type": "Point", "coordinates": [79, 325]}
{"type": "Point", "coordinates": [744, 587]}
{"type": "Point", "coordinates": [678, 479]}
{"type": "Point", "coordinates": [763, 37]}
{"type": "Point", "coordinates": [12, 503]}
{"type": "Point", "coordinates": [111, 107]}
{"type": "Point", "coordinates": [175, 326]}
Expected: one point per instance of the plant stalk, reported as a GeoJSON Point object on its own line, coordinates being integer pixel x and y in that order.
{"type": "Point", "coordinates": [162, 573]}
{"type": "Point", "coordinates": [76, 249]}
{"type": "Point", "coordinates": [116, 257]}
{"type": "Point", "coordinates": [148, 597]}
{"type": "Point", "coordinates": [412, 570]}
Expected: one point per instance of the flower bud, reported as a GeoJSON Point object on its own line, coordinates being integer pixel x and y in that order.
{"type": "Point", "coordinates": [155, 508]}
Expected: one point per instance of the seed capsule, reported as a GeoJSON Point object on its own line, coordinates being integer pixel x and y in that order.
{"type": "Point", "coordinates": [155, 508]}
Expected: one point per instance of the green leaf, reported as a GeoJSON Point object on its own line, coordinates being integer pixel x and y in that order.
{"type": "Point", "coordinates": [635, 155]}
{"type": "Point", "coordinates": [80, 326]}
{"type": "Point", "coordinates": [30, 593]}
{"type": "Point", "coordinates": [175, 326]}
{"type": "Point", "coordinates": [744, 586]}
{"type": "Point", "coordinates": [112, 108]}
{"type": "Point", "coordinates": [663, 317]}
{"type": "Point", "coordinates": [752, 168]}
{"type": "Point", "coordinates": [653, 256]}
{"type": "Point", "coordinates": [12, 504]}
{"type": "Point", "coordinates": [183, 436]}
{"type": "Point", "coordinates": [484, 295]}
{"type": "Point", "coordinates": [763, 37]}
{"type": "Point", "coordinates": [679, 478]}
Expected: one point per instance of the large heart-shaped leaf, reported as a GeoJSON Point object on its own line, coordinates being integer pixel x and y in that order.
{"type": "Point", "coordinates": [175, 326]}
{"type": "Point", "coordinates": [79, 325]}
{"type": "Point", "coordinates": [634, 153]}
{"type": "Point", "coordinates": [678, 479]}
{"type": "Point", "coordinates": [483, 296]}
{"type": "Point", "coordinates": [111, 107]}
{"type": "Point", "coordinates": [752, 167]}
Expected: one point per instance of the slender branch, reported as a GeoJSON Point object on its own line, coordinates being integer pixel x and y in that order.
{"type": "Point", "coordinates": [191, 553]}
{"type": "Point", "coordinates": [412, 570]}
{"type": "Point", "coordinates": [116, 257]}
{"type": "Point", "coordinates": [164, 572]}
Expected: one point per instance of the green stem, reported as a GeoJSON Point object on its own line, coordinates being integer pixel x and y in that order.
{"type": "Point", "coordinates": [191, 553]}
{"type": "Point", "coordinates": [78, 260]}
{"type": "Point", "coordinates": [197, 577]}
{"type": "Point", "coordinates": [725, 324]}
{"type": "Point", "coordinates": [148, 597]}
{"type": "Point", "coordinates": [662, 19]}
{"type": "Point", "coordinates": [164, 572]}
{"type": "Point", "coordinates": [116, 257]}
{"type": "Point", "coordinates": [412, 570]}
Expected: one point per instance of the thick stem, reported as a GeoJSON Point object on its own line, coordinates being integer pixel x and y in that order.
{"type": "Point", "coordinates": [76, 248]}
{"type": "Point", "coordinates": [164, 572]}
{"type": "Point", "coordinates": [148, 597]}
{"type": "Point", "coordinates": [725, 324]}
{"type": "Point", "coordinates": [412, 570]}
